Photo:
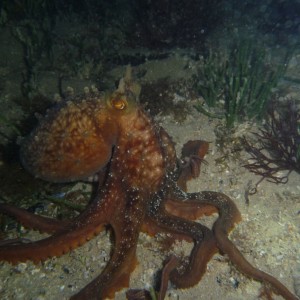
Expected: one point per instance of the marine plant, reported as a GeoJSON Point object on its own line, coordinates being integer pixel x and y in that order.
{"type": "Point", "coordinates": [276, 151]}
{"type": "Point", "coordinates": [239, 80]}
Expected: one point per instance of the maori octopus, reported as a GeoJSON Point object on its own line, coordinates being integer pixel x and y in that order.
{"type": "Point", "coordinates": [141, 188]}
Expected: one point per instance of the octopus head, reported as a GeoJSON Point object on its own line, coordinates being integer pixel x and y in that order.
{"type": "Point", "coordinates": [75, 140]}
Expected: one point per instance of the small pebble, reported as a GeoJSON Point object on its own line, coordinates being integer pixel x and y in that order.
{"type": "Point", "coordinates": [21, 267]}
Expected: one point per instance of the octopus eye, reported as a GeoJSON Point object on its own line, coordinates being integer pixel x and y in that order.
{"type": "Point", "coordinates": [118, 103]}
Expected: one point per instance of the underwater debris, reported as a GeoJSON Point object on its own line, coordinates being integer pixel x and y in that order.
{"type": "Point", "coordinates": [277, 153]}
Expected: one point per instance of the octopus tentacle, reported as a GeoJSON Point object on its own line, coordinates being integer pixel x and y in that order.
{"type": "Point", "coordinates": [56, 245]}
{"type": "Point", "coordinates": [201, 254]}
{"type": "Point", "coordinates": [228, 216]}
{"type": "Point", "coordinates": [192, 156]}
{"type": "Point", "coordinates": [190, 210]}
{"type": "Point", "coordinates": [169, 218]}
{"type": "Point", "coordinates": [82, 229]}
{"type": "Point", "coordinates": [226, 246]}
{"type": "Point", "coordinates": [117, 272]}
{"type": "Point", "coordinates": [32, 221]}
{"type": "Point", "coordinates": [204, 245]}
{"type": "Point", "coordinates": [170, 265]}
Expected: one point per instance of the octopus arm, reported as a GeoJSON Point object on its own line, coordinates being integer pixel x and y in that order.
{"type": "Point", "coordinates": [235, 256]}
{"type": "Point", "coordinates": [126, 225]}
{"type": "Point", "coordinates": [204, 244]}
{"type": "Point", "coordinates": [191, 210]}
{"type": "Point", "coordinates": [228, 216]}
{"type": "Point", "coordinates": [32, 221]}
{"type": "Point", "coordinates": [192, 155]}
{"type": "Point", "coordinates": [117, 272]}
{"type": "Point", "coordinates": [85, 227]}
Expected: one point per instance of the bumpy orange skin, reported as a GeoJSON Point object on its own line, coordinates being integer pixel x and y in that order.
{"type": "Point", "coordinates": [113, 135]}
{"type": "Point", "coordinates": [71, 142]}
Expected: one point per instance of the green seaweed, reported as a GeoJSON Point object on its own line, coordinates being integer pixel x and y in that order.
{"type": "Point", "coordinates": [238, 80]}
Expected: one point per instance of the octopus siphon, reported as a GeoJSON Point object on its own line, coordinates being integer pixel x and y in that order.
{"type": "Point", "coordinates": [142, 188]}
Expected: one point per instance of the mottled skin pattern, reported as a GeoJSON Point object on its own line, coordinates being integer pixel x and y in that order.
{"type": "Point", "coordinates": [138, 191]}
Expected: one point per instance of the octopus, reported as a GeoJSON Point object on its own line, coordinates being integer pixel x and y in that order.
{"type": "Point", "coordinates": [141, 188]}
